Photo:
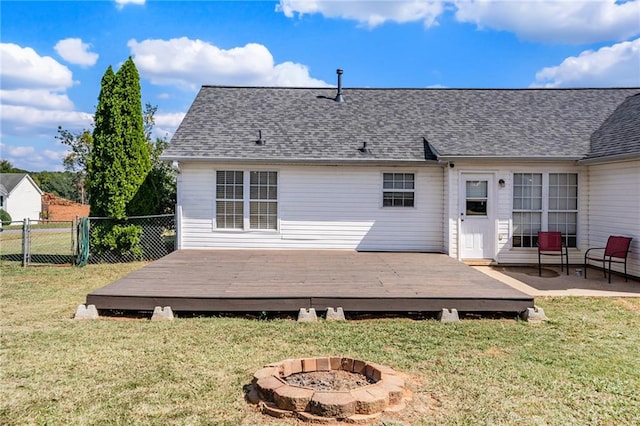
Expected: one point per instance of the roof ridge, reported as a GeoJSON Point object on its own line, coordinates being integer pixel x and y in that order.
{"type": "Point", "coordinates": [502, 89]}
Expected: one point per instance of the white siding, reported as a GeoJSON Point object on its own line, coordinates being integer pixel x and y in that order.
{"type": "Point", "coordinates": [451, 212]}
{"type": "Point", "coordinates": [614, 207]}
{"type": "Point", "coordinates": [503, 201]}
{"type": "Point", "coordinates": [320, 207]}
{"type": "Point", "coordinates": [24, 201]}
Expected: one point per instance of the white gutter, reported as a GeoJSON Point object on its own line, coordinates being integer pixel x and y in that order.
{"type": "Point", "coordinates": [451, 158]}
{"type": "Point", "coordinates": [610, 158]}
{"type": "Point", "coordinates": [319, 161]}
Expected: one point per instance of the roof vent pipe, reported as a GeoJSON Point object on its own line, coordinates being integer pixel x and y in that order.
{"type": "Point", "coordinates": [260, 141]}
{"type": "Point", "coordinates": [339, 97]}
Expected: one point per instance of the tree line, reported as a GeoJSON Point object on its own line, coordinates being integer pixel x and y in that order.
{"type": "Point", "coordinates": [62, 184]}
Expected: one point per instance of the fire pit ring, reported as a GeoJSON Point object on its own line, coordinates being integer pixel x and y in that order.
{"type": "Point", "coordinates": [385, 392]}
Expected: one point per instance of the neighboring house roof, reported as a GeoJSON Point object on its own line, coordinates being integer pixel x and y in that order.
{"type": "Point", "coordinates": [10, 180]}
{"type": "Point", "coordinates": [619, 135]}
{"type": "Point", "coordinates": [306, 124]}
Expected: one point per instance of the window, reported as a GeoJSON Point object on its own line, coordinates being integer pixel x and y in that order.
{"type": "Point", "coordinates": [544, 202]}
{"type": "Point", "coordinates": [398, 189]}
{"type": "Point", "coordinates": [246, 200]}
{"type": "Point", "coordinates": [563, 206]}
{"type": "Point", "coordinates": [476, 197]}
{"type": "Point", "coordinates": [527, 209]}
{"type": "Point", "coordinates": [229, 199]}
{"type": "Point", "coordinates": [263, 207]}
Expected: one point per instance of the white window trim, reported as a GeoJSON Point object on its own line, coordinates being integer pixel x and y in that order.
{"type": "Point", "coordinates": [246, 192]}
{"type": "Point", "coordinates": [414, 190]}
{"type": "Point", "coordinates": [544, 213]}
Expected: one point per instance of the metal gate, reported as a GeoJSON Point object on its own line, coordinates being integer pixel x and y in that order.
{"type": "Point", "coordinates": [39, 243]}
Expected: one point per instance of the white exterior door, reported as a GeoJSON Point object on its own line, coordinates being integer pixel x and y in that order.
{"type": "Point", "coordinates": [476, 217]}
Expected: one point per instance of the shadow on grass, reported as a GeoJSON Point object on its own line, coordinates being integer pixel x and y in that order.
{"type": "Point", "coordinates": [47, 259]}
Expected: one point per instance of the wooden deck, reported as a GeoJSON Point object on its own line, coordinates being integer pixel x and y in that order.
{"type": "Point", "coordinates": [281, 280]}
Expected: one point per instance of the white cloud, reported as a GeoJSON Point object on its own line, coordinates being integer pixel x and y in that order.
{"type": "Point", "coordinates": [30, 158]}
{"type": "Point", "coordinates": [17, 151]}
{"type": "Point", "coordinates": [23, 67]}
{"type": "Point", "coordinates": [611, 66]}
{"type": "Point", "coordinates": [190, 63]}
{"type": "Point", "coordinates": [28, 120]}
{"type": "Point", "coordinates": [170, 119]}
{"type": "Point", "coordinates": [369, 13]}
{"type": "Point", "coordinates": [33, 99]}
{"type": "Point", "coordinates": [42, 98]}
{"type": "Point", "coordinates": [166, 124]}
{"type": "Point", "coordinates": [74, 51]}
{"type": "Point", "coordinates": [551, 21]}
{"type": "Point", "coordinates": [554, 21]}
{"type": "Point", "coordinates": [122, 3]}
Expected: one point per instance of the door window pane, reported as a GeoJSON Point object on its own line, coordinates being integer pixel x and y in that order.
{"type": "Point", "coordinates": [476, 197]}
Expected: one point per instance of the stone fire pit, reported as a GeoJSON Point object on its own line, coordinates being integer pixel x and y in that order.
{"type": "Point", "coordinates": [374, 389]}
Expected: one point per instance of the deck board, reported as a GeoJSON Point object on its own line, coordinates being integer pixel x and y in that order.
{"type": "Point", "coordinates": [282, 280]}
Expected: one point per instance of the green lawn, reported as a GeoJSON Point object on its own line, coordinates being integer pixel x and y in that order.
{"type": "Point", "coordinates": [48, 245]}
{"type": "Point", "coordinates": [579, 368]}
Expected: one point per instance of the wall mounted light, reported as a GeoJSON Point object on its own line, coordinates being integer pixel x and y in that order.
{"type": "Point", "coordinates": [501, 183]}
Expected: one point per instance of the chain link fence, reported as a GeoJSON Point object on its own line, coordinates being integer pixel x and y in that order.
{"type": "Point", "coordinates": [132, 239]}
{"type": "Point", "coordinates": [87, 240]}
{"type": "Point", "coordinates": [33, 242]}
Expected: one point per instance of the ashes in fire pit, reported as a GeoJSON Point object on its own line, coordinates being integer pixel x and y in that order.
{"type": "Point", "coordinates": [328, 388]}
{"type": "Point", "coordinates": [334, 380]}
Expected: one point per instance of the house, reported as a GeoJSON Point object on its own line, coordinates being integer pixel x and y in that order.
{"type": "Point", "coordinates": [472, 173]}
{"type": "Point", "coordinates": [20, 196]}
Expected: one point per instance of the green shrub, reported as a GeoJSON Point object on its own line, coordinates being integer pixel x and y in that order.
{"type": "Point", "coordinates": [120, 240]}
{"type": "Point", "coordinates": [5, 217]}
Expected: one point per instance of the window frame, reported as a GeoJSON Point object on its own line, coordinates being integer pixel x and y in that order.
{"type": "Point", "coordinates": [384, 190]}
{"type": "Point", "coordinates": [258, 201]}
{"type": "Point", "coordinates": [545, 211]}
{"type": "Point", "coordinates": [229, 187]}
{"type": "Point", "coordinates": [248, 201]}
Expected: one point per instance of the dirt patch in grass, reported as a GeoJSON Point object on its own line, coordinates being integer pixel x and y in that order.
{"type": "Point", "coordinates": [335, 380]}
{"type": "Point", "coordinates": [632, 305]}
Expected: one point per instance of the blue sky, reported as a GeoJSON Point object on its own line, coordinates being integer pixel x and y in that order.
{"type": "Point", "coordinates": [53, 54]}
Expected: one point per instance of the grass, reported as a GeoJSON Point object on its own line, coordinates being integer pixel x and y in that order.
{"type": "Point", "coordinates": [47, 245]}
{"type": "Point", "coordinates": [43, 224]}
{"type": "Point", "coordinates": [581, 367]}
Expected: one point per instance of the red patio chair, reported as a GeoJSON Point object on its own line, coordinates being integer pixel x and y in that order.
{"type": "Point", "coordinates": [551, 244]}
{"type": "Point", "coordinates": [616, 251]}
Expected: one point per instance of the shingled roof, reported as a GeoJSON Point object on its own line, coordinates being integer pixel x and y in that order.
{"type": "Point", "coordinates": [397, 125]}
{"type": "Point", "coordinates": [619, 135]}
{"type": "Point", "coordinates": [8, 181]}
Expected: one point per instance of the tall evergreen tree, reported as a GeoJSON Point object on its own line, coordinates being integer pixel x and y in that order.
{"type": "Point", "coordinates": [120, 159]}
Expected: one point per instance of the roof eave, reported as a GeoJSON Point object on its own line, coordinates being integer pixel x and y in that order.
{"type": "Point", "coordinates": [35, 185]}
{"type": "Point", "coordinates": [610, 158]}
{"type": "Point", "coordinates": [449, 158]}
{"type": "Point", "coordinates": [307, 161]}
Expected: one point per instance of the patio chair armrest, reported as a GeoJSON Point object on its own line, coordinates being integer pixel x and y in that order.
{"type": "Point", "coordinates": [593, 248]}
